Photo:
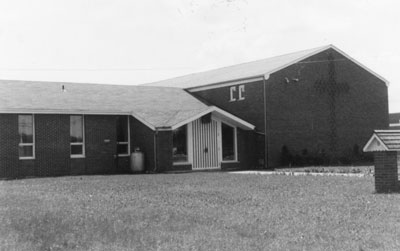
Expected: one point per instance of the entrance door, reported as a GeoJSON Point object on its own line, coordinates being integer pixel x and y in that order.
{"type": "Point", "coordinates": [205, 145]}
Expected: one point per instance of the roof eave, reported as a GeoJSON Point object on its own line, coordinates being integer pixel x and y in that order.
{"type": "Point", "coordinates": [267, 74]}
{"type": "Point", "coordinates": [241, 123]}
{"type": "Point", "coordinates": [77, 112]}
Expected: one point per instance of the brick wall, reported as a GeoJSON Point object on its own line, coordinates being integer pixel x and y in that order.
{"type": "Point", "coordinates": [164, 151]}
{"type": "Point", "coordinates": [298, 114]}
{"type": "Point", "coordinates": [250, 109]}
{"type": "Point", "coordinates": [100, 155]}
{"type": "Point", "coordinates": [386, 172]}
{"type": "Point", "coordinates": [246, 151]}
{"type": "Point", "coordinates": [9, 140]}
{"type": "Point", "coordinates": [52, 147]}
{"type": "Point", "coordinates": [143, 137]}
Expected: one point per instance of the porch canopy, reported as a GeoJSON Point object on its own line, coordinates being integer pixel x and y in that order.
{"type": "Point", "coordinates": [383, 141]}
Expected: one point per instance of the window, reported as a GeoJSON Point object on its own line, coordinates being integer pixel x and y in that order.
{"type": "Point", "coordinates": [77, 137]}
{"type": "Point", "coordinates": [26, 132]}
{"type": "Point", "coordinates": [123, 146]}
{"type": "Point", "coordinates": [179, 141]}
{"type": "Point", "coordinates": [228, 143]}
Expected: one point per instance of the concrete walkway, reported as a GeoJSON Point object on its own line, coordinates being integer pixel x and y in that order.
{"type": "Point", "coordinates": [359, 175]}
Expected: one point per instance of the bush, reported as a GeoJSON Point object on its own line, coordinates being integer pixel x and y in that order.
{"type": "Point", "coordinates": [320, 157]}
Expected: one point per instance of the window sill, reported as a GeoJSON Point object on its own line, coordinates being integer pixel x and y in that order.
{"type": "Point", "coordinates": [123, 155]}
{"type": "Point", "coordinates": [230, 161]}
{"type": "Point", "coordinates": [26, 158]}
{"type": "Point", "coordinates": [77, 156]}
{"type": "Point", "coordinates": [181, 163]}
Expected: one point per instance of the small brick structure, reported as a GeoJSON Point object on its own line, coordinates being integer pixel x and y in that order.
{"type": "Point", "coordinates": [385, 144]}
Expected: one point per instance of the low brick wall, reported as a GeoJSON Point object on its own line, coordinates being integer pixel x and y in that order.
{"type": "Point", "coordinates": [386, 172]}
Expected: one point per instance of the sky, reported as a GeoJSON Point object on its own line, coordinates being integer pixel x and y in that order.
{"type": "Point", "coordinates": [134, 42]}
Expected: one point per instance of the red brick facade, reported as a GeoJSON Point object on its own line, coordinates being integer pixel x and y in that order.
{"type": "Point", "coordinates": [298, 112]}
{"type": "Point", "coordinates": [386, 172]}
{"type": "Point", "coordinates": [52, 147]}
{"type": "Point", "coordinates": [324, 105]}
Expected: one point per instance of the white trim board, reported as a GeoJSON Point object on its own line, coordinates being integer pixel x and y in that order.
{"type": "Point", "coordinates": [213, 109]}
{"type": "Point", "coordinates": [375, 144]}
{"type": "Point", "coordinates": [76, 112]}
{"type": "Point", "coordinates": [226, 83]}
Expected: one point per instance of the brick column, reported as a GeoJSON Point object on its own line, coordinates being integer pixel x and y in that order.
{"type": "Point", "coordinates": [386, 174]}
{"type": "Point", "coordinates": [164, 150]}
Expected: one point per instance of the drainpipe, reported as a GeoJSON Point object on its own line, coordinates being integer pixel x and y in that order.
{"type": "Point", "coordinates": [266, 142]}
{"type": "Point", "coordinates": [155, 150]}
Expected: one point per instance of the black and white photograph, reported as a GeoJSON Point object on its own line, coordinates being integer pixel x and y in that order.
{"type": "Point", "coordinates": [199, 125]}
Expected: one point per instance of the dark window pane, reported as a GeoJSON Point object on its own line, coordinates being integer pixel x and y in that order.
{"type": "Point", "coordinates": [76, 150]}
{"type": "Point", "coordinates": [122, 148]}
{"type": "Point", "coordinates": [25, 151]}
{"type": "Point", "coordinates": [76, 128]}
{"type": "Point", "coordinates": [122, 129]}
{"type": "Point", "coordinates": [228, 142]}
{"type": "Point", "coordinates": [179, 150]}
{"type": "Point", "coordinates": [25, 128]}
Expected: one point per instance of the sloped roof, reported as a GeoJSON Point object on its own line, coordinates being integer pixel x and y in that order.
{"type": "Point", "coordinates": [248, 70]}
{"type": "Point", "coordinates": [384, 140]}
{"type": "Point", "coordinates": [155, 106]}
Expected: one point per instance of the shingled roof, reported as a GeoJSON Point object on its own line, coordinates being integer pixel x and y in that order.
{"type": "Point", "coordinates": [259, 68]}
{"type": "Point", "coordinates": [157, 107]}
{"type": "Point", "coordinates": [384, 140]}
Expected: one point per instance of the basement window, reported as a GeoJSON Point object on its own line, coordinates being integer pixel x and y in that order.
{"type": "Point", "coordinates": [26, 131]}
{"type": "Point", "coordinates": [180, 146]}
{"type": "Point", "coordinates": [77, 136]}
{"type": "Point", "coordinates": [123, 145]}
{"type": "Point", "coordinates": [228, 143]}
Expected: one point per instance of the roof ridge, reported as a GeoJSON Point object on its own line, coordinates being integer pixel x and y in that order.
{"type": "Point", "coordinates": [82, 83]}
{"type": "Point", "coordinates": [241, 64]}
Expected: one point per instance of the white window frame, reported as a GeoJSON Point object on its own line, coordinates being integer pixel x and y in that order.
{"type": "Point", "coordinates": [126, 142]}
{"type": "Point", "coordinates": [189, 146]}
{"type": "Point", "coordinates": [33, 139]}
{"type": "Point", "coordinates": [235, 143]}
{"type": "Point", "coordinates": [76, 156]}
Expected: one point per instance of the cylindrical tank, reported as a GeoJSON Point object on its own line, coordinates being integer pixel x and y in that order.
{"type": "Point", "coordinates": [137, 161]}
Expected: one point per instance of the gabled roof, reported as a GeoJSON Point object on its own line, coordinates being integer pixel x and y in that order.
{"type": "Point", "coordinates": [255, 69]}
{"type": "Point", "coordinates": [383, 140]}
{"type": "Point", "coordinates": [156, 107]}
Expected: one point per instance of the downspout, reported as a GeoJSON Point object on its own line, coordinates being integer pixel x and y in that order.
{"type": "Point", "coordinates": [155, 150]}
{"type": "Point", "coordinates": [266, 142]}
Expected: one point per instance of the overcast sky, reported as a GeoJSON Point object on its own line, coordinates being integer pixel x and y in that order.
{"type": "Point", "coordinates": [134, 42]}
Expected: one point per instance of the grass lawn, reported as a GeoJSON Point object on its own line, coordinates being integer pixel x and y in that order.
{"type": "Point", "coordinates": [197, 211]}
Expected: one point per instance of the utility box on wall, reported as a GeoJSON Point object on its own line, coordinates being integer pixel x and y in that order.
{"type": "Point", "coordinates": [385, 144]}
